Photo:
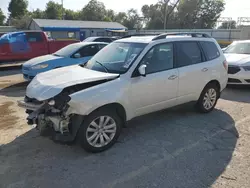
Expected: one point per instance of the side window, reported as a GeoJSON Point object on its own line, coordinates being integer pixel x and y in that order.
{"type": "Point", "coordinates": [88, 50]}
{"type": "Point", "coordinates": [188, 53]}
{"type": "Point", "coordinates": [34, 37]}
{"type": "Point", "coordinates": [159, 58]}
{"type": "Point", "coordinates": [210, 50]}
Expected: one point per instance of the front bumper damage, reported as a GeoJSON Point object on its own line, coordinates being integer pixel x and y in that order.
{"type": "Point", "coordinates": [50, 121]}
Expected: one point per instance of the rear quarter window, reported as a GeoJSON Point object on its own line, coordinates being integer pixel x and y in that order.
{"type": "Point", "coordinates": [210, 49]}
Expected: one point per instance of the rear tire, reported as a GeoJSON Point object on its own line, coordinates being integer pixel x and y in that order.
{"type": "Point", "coordinates": [208, 98]}
{"type": "Point", "coordinates": [100, 130]}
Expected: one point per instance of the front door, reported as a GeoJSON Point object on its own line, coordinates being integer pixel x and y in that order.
{"type": "Point", "coordinates": [82, 35]}
{"type": "Point", "coordinates": [158, 90]}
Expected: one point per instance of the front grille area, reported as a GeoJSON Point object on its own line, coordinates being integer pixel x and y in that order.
{"type": "Point", "coordinates": [232, 80]}
{"type": "Point", "coordinates": [32, 100]}
{"type": "Point", "coordinates": [233, 69]}
{"type": "Point", "coordinates": [248, 80]}
{"type": "Point", "coordinates": [26, 76]}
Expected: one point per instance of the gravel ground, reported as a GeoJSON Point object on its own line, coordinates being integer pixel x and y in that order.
{"type": "Point", "coordinates": [173, 148]}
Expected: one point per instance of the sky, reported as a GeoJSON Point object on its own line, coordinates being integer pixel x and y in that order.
{"type": "Point", "coordinates": [233, 8]}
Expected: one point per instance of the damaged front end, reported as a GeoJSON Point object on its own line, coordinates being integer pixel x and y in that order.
{"type": "Point", "coordinates": [51, 119]}
{"type": "Point", "coordinates": [48, 95]}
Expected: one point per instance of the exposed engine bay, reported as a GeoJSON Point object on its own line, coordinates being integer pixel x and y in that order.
{"type": "Point", "coordinates": [52, 117]}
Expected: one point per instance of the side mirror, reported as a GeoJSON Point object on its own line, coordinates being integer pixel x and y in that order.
{"type": "Point", "coordinates": [142, 70]}
{"type": "Point", "coordinates": [77, 55]}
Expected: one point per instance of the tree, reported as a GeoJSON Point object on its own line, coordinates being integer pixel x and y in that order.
{"type": "Point", "coordinates": [21, 23]}
{"type": "Point", "coordinates": [228, 25]}
{"type": "Point", "coordinates": [93, 11]}
{"type": "Point", "coordinates": [160, 15]}
{"type": "Point", "coordinates": [168, 8]}
{"type": "Point", "coordinates": [132, 20]}
{"type": "Point", "coordinates": [53, 10]}
{"type": "Point", "coordinates": [120, 17]}
{"type": "Point", "coordinates": [153, 16]}
{"type": "Point", "coordinates": [201, 14]}
{"type": "Point", "coordinates": [2, 17]}
{"type": "Point", "coordinates": [71, 15]}
{"type": "Point", "coordinates": [208, 13]}
{"type": "Point", "coordinates": [110, 15]}
{"type": "Point", "coordinates": [39, 14]}
{"type": "Point", "coordinates": [18, 8]}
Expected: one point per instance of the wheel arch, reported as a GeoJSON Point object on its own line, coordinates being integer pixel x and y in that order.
{"type": "Point", "coordinates": [214, 82]}
{"type": "Point", "coordinates": [120, 110]}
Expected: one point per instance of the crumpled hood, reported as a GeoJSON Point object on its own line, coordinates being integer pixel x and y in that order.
{"type": "Point", "coordinates": [51, 83]}
{"type": "Point", "coordinates": [41, 59]}
{"type": "Point", "coordinates": [237, 59]}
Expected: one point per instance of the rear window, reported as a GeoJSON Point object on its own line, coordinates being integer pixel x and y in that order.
{"type": "Point", "coordinates": [210, 50]}
{"type": "Point", "coordinates": [34, 37]}
{"type": "Point", "coordinates": [103, 40]}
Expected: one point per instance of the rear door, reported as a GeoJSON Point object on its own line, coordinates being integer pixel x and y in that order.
{"type": "Point", "coordinates": [37, 43]}
{"type": "Point", "coordinates": [194, 70]}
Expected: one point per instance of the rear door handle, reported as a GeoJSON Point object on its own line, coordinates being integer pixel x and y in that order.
{"type": "Point", "coordinates": [204, 70]}
{"type": "Point", "coordinates": [172, 77]}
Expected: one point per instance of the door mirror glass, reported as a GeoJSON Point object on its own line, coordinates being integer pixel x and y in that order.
{"type": "Point", "coordinates": [77, 55]}
{"type": "Point", "coordinates": [142, 70]}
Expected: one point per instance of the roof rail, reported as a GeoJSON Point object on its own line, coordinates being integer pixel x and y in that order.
{"type": "Point", "coordinates": [140, 35]}
{"type": "Point", "coordinates": [163, 36]}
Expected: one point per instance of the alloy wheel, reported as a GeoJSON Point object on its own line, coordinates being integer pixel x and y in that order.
{"type": "Point", "coordinates": [101, 131]}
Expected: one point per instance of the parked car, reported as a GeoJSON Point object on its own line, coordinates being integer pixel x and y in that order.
{"type": "Point", "coordinates": [238, 58]}
{"type": "Point", "coordinates": [128, 78]}
{"type": "Point", "coordinates": [77, 53]}
{"type": "Point", "coordinates": [24, 45]}
{"type": "Point", "coordinates": [100, 39]}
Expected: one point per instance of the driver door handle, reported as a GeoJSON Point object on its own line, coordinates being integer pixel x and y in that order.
{"type": "Point", "coordinates": [172, 77]}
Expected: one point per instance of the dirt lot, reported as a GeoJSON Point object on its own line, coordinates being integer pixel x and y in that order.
{"type": "Point", "coordinates": [173, 148]}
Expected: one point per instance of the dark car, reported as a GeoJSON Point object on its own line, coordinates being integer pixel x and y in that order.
{"type": "Point", "coordinates": [100, 39]}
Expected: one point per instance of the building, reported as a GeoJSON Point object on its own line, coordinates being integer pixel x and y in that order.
{"type": "Point", "coordinates": [6, 29]}
{"type": "Point", "coordinates": [76, 29]}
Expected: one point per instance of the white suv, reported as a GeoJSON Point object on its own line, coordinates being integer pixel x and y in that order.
{"type": "Point", "coordinates": [128, 78]}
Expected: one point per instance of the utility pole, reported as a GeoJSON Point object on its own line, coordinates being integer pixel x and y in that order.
{"type": "Point", "coordinates": [165, 13]}
{"type": "Point", "coordinates": [62, 11]}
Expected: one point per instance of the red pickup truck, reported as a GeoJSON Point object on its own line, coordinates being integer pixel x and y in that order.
{"type": "Point", "coordinates": [24, 45]}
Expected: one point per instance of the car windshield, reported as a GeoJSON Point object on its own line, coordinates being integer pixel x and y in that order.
{"type": "Point", "coordinates": [238, 48]}
{"type": "Point", "coordinates": [67, 50]}
{"type": "Point", "coordinates": [117, 57]}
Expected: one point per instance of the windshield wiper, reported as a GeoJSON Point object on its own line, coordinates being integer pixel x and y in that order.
{"type": "Point", "coordinates": [102, 66]}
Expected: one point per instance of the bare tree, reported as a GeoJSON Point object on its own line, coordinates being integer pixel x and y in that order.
{"type": "Point", "coordinates": [169, 7]}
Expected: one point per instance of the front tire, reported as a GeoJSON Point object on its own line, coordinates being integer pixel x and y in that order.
{"type": "Point", "coordinates": [208, 98]}
{"type": "Point", "coordinates": [100, 130]}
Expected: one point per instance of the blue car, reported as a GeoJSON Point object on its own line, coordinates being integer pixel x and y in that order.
{"type": "Point", "coordinates": [77, 53]}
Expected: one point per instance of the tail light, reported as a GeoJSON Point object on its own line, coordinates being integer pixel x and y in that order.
{"type": "Point", "coordinates": [225, 65]}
